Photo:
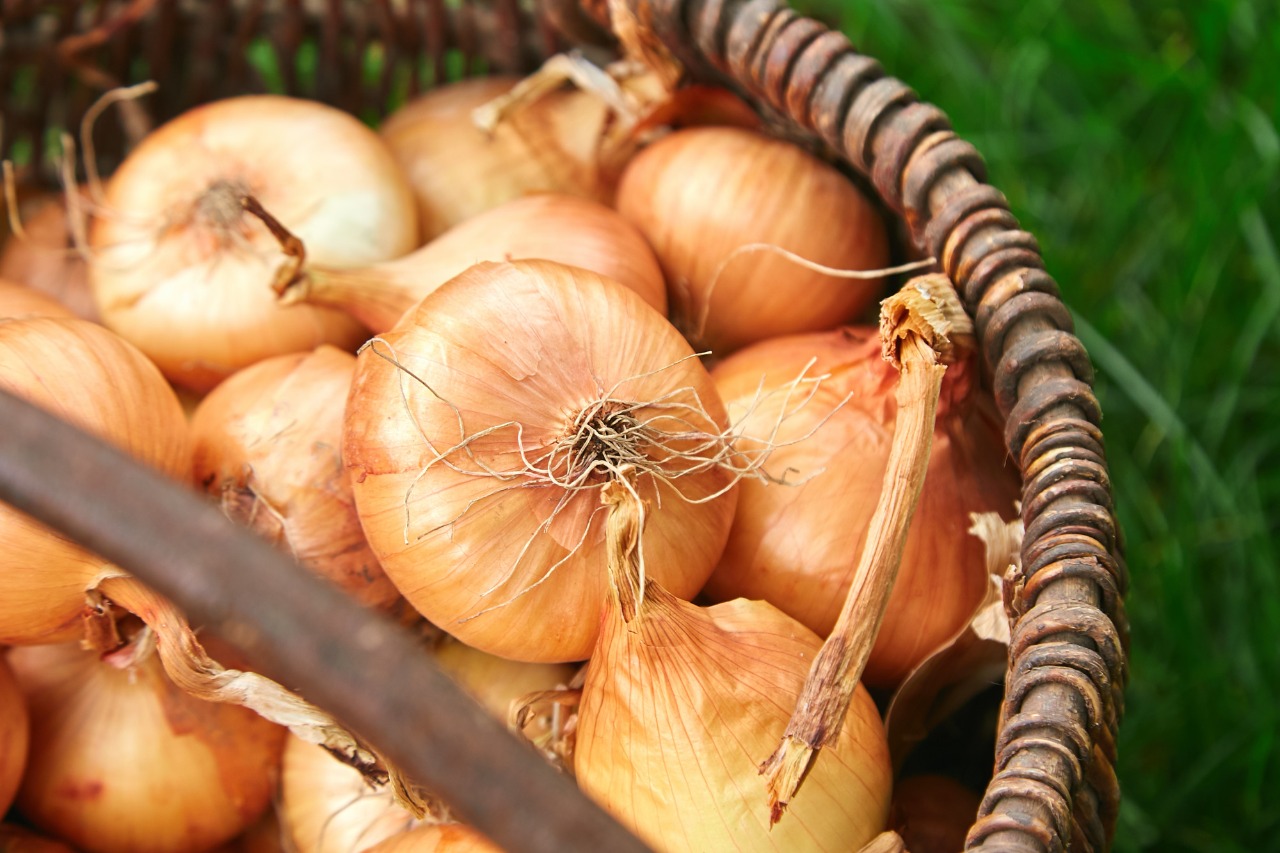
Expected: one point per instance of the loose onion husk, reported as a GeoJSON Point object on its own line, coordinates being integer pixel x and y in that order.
{"type": "Point", "coordinates": [682, 703]}
{"type": "Point", "coordinates": [458, 170]}
{"type": "Point", "coordinates": [565, 229]}
{"type": "Point", "coordinates": [446, 838]}
{"type": "Point", "coordinates": [797, 546]}
{"type": "Point", "coordinates": [15, 732]}
{"type": "Point", "coordinates": [502, 373]}
{"type": "Point", "coordinates": [933, 813]}
{"type": "Point", "coordinates": [90, 377]}
{"type": "Point", "coordinates": [183, 271]}
{"type": "Point", "coordinates": [122, 761]}
{"type": "Point", "coordinates": [710, 200]}
{"type": "Point", "coordinates": [45, 258]}
{"type": "Point", "coordinates": [267, 443]}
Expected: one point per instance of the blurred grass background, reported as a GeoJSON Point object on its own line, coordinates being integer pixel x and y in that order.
{"type": "Point", "coordinates": [1139, 142]}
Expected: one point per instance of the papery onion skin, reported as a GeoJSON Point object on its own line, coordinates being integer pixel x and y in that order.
{"type": "Point", "coordinates": [123, 762]}
{"type": "Point", "coordinates": [446, 838]}
{"type": "Point", "coordinates": [17, 301]}
{"type": "Point", "coordinates": [681, 705]}
{"type": "Point", "coordinates": [933, 813]}
{"type": "Point", "coordinates": [700, 194]}
{"type": "Point", "coordinates": [534, 343]}
{"type": "Point", "coordinates": [496, 682]}
{"type": "Point", "coordinates": [267, 444]}
{"type": "Point", "coordinates": [458, 170]}
{"type": "Point", "coordinates": [88, 376]}
{"type": "Point", "coordinates": [327, 807]}
{"type": "Point", "coordinates": [183, 272]}
{"type": "Point", "coordinates": [46, 260]}
{"type": "Point", "coordinates": [796, 546]}
{"type": "Point", "coordinates": [561, 228]}
{"type": "Point", "coordinates": [15, 731]}
{"type": "Point", "coordinates": [265, 836]}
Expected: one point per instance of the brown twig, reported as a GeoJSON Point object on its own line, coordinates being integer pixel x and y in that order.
{"type": "Point", "coordinates": [291, 271]}
{"type": "Point", "coordinates": [916, 327]}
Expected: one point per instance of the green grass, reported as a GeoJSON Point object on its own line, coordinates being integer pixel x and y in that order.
{"type": "Point", "coordinates": [1139, 142]}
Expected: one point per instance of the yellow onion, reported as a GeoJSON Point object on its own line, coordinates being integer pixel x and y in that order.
{"type": "Point", "coordinates": [715, 202]}
{"type": "Point", "coordinates": [796, 545]}
{"type": "Point", "coordinates": [327, 806]}
{"type": "Point", "coordinates": [481, 429]}
{"type": "Point", "coordinates": [569, 230]}
{"type": "Point", "coordinates": [183, 271]}
{"type": "Point", "coordinates": [45, 257]}
{"type": "Point", "coordinates": [680, 706]}
{"type": "Point", "coordinates": [122, 761]}
{"type": "Point", "coordinates": [458, 170]}
{"type": "Point", "coordinates": [445, 838]}
{"type": "Point", "coordinates": [19, 839]}
{"type": "Point", "coordinates": [19, 301]}
{"type": "Point", "coordinates": [90, 377]}
{"type": "Point", "coordinates": [267, 444]}
{"type": "Point", "coordinates": [933, 813]}
{"type": "Point", "coordinates": [14, 735]}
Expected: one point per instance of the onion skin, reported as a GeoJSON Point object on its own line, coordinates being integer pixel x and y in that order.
{"type": "Point", "coordinates": [18, 839]}
{"type": "Point", "coordinates": [17, 301]}
{"type": "Point", "coordinates": [446, 838]}
{"type": "Point", "coordinates": [796, 546]}
{"type": "Point", "coordinates": [183, 272]}
{"type": "Point", "coordinates": [458, 171]}
{"type": "Point", "coordinates": [933, 813]}
{"type": "Point", "coordinates": [123, 762]}
{"type": "Point", "coordinates": [326, 806]}
{"type": "Point", "coordinates": [700, 194]}
{"type": "Point", "coordinates": [47, 260]}
{"type": "Point", "coordinates": [681, 705]}
{"type": "Point", "coordinates": [533, 342]}
{"type": "Point", "coordinates": [267, 443]}
{"type": "Point", "coordinates": [91, 378]}
{"type": "Point", "coordinates": [565, 229]}
{"type": "Point", "coordinates": [15, 733]}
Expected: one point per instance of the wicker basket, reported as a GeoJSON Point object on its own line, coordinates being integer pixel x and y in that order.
{"type": "Point", "coordinates": [1054, 785]}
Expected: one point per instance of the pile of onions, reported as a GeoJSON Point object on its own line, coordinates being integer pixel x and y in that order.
{"type": "Point", "coordinates": [122, 761]}
{"type": "Point", "coordinates": [796, 546]}
{"type": "Point", "coordinates": [90, 377]}
{"type": "Point", "coordinates": [716, 202]}
{"type": "Point", "coordinates": [680, 706]}
{"type": "Point", "coordinates": [566, 229]}
{"type": "Point", "coordinates": [267, 444]}
{"type": "Point", "coordinates": [481, 429]}
{"type": "Point", "coordinates": [14, 736]}
{"type": "Point", "coordinates": [45, 257]}
{"type": "Point", "coordinates": [183, 271]}
{"type": "Point", "coordinates": [458, 170]}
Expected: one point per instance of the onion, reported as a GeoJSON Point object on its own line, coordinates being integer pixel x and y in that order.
{"type": "Point", "coordinates": [933, 813]}
{"type": "Point", "coordinates": [14, 735]}
{"type": "Point", "coordinates": [796, 546]}
{"type": "Point", "coordinates": [573, 231]}
{"type": "Point", "coordinates": [123, 761]}
{"type": "Point", "coordinates": [183, 271]}
{"type": "Point", "coordinates": [447, 838]}
{"type": "Point", "coordinates": [480, 430]}
{"type": "Point", "coordinates": [682, 703]}
{"type": "Point", "coordinates": [267, 443]}
{"type": "Point", "coordinates": [45, 257]}
{"type": "Point", "coordinates": [18, 839]}
{"type": "Point", "coordinates": [457, 170]}
{"type": "Point", "coordinates": [713, 202]}
{"type": "Point", "coordinates": [328, 808]}
{"type": "Point", "coordinates": [90, 377]}
{"type": "Point", "coordinates": [18, 301]}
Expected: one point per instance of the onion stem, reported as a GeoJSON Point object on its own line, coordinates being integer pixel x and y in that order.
{"type": "Point", "coordinates": [915, 328]}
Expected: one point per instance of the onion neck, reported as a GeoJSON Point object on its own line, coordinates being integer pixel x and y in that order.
{"type": "Point", "coordinates": [623, 525]}
{"type": "Point", "coordinates": [377, 295]}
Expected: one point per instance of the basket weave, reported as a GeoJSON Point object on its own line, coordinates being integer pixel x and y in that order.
{"type": "Point", "coordinates": [1054, 786]}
